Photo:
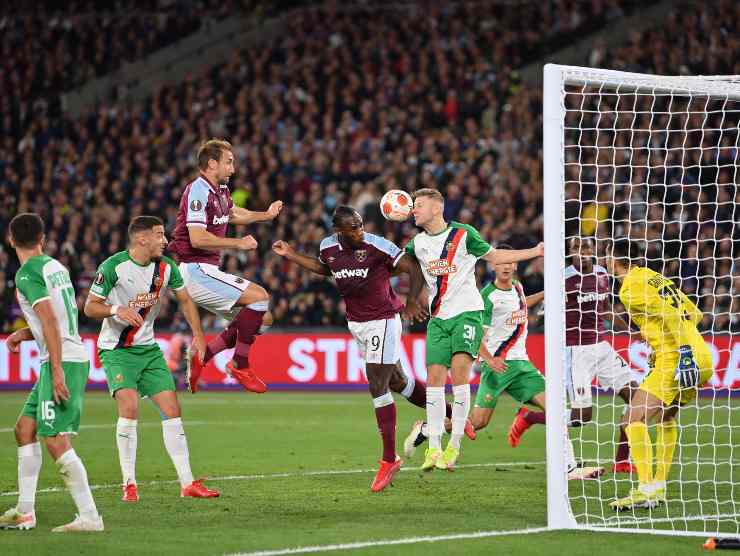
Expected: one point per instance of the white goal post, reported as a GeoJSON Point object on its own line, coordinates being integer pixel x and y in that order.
{"type": "Point", "coordinates": [594, 134]}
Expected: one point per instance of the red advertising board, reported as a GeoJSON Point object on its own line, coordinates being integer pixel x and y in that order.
{"type": "Point", "coordinates": [334, 361]}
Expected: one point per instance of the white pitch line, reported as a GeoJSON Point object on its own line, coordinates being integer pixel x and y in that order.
{"type": "Point", "coordinates": [154, 424]}
{"type": "Point", "coordinates": [321, 473]}
{"type": "Point", "coordinates": [391, 542]}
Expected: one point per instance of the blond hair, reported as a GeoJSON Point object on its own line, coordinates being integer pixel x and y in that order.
{"type": "Point", "coordinates": [211, 150]}
{"type": "Point", "coordinates": [430, 193]}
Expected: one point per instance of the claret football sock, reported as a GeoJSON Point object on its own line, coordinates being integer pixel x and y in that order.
{"type": "Point", "coordinates": [385, 414]}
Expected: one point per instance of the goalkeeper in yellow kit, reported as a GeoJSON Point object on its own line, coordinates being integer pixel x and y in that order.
{"type": "Point", "coordinates": [679, 364]}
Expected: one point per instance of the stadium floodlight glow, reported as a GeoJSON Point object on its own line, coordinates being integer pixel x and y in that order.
{"type": "Point", "coordinates": [655, 159]}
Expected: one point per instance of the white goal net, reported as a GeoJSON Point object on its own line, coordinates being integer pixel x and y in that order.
{"type": "Point", "coordinates": [653, 159]}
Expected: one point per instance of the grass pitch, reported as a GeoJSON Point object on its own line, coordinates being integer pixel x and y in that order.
{"type": "Point", "coordinates": [294, 470]}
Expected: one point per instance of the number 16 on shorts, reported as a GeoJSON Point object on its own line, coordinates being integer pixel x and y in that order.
{"type": "Point", "coordinates": [47, 411]}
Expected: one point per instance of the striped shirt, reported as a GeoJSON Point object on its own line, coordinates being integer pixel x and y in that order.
{"type": "Point", "coordinates": [122, 281]}
{"type": "Point", "coordinates": [505, 321]}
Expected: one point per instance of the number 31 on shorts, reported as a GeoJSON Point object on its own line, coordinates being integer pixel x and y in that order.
{"type": "Point", "coordinates": [468, 332]}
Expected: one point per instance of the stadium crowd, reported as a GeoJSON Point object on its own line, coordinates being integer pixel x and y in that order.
{"type": "Point", "coordinates": [342, 107]}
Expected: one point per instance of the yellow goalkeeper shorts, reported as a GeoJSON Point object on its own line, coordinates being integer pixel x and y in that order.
{"type": "Point", "coordinates": [661, 382]}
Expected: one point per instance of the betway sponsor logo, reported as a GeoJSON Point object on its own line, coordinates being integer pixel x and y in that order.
{"type": "Point", "coordinates": [440, 267]}
{"type": "Point", "coordinates": [218, 220]}
{"type": "Point", "coordinates": [591, 297]}
{"type": "Point", "coordinates": [351, 273]}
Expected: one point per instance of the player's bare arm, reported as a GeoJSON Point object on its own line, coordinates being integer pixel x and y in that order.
{"type": "Point", "coordinates": [284, 249]}
{"type": "Point", "coordinates": [96, 308]}
{"type": "Point", "coordinates": [535, 299]}
{"type": "Point", "coordinates": [413, 311]}
{"type": "Point", "coordinates": [241, 216]}
{"type": "Point", "coordinates": [16, 338]}
{"type": "Point", "coordinates": [190, 311]}
{"type": "Point", "coordinates": [200, 238]}
{"type": "Point", "coordinates": [50, 329]}
{"type": "Point", "coordinates": [498, 364]}
{"type": "Point", "coordinates": [502, 256]}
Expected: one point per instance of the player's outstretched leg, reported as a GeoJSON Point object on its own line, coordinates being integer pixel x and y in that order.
{"type": "Point", "coordinates": [524, 419]}
{"type": "Point", "coordinates": [176, 444]}
{"type": "Point", "coordinates": [378, 377]}
{"type": "Point", "coordinates": [23, 515]}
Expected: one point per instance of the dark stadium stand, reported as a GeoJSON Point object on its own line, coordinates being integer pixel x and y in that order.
{"type": "Point", "coordinates": [341, 108]}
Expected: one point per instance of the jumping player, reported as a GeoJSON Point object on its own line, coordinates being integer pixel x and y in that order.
{"type": "Point", "coordinates": [447, 253]}
{"type": "Point", "coordinates": [362, 264]}
{"type": "Point", "coordinates": [205, 211]}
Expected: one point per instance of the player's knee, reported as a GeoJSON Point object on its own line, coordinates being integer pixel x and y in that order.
{"type": "Point", "coordinates": [57, 445]}
{"type": "Point", "coordinates": [267, 319]}
{"type": "Point", "coordinates": [128, 404]}
{"type": "Point", "coordinates": [170, 411]}
{"type": "Point", "coordinates": [25, 432]}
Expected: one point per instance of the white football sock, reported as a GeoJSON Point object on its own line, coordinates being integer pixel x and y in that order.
{"type": "Point", "coordinates": [570, 456]}
{"type": "Point", "coordinates": [409, 388]}
{"type": "Point", "coordinates": [177, 447]}
{"type": "Point", "coordinates": [460, 409]}
{"type": "Point", "coordinates": [74, 476]}
{"type": "Point", "coordinates": [126, 439]}
{"type": "Point", "coordinates": [29, 467]}
{"type": "Point", "coordinates": [436, 415]}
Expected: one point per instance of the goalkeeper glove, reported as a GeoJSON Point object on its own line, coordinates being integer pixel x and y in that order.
{"type": "Point", "coordinates": [687, 373]}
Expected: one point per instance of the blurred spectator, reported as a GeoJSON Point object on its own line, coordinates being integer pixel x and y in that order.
{"type": "Point", "coordinates": [322, 115]}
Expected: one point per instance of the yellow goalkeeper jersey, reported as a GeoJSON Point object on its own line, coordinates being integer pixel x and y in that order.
{"type": "Point", "coordinates": [666, 316]}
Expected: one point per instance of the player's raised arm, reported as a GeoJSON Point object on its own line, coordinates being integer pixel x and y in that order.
{"type": "Point", "coordinates": [241, 216]}
{"type": "Point", "coordinates": [535, 299]}
{"type": "Point", "coordinates": [502, 256]}
{"type": "Point", "coordinates": [285, 250]}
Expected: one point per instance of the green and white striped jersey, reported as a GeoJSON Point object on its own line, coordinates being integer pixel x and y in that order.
{"type": "Point", "coordinates": [122, 281]}
{"type": "Point", "coordinates": [40, 278]}
{"type": "Point", "coordinates": [448, 262]}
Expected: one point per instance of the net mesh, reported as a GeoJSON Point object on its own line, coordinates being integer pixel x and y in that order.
{"type": "Point", "coordinates": [659, 165]}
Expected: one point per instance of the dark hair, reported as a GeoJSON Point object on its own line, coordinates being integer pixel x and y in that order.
{"type": "Point", "coordinates": [211, 150]}
{"type": "Point", "coordinates": [343, 212]}
{"type": "Point", "coordinates": [27, 229]}
{"type": "Point", "coordinates": [143, 223]}
{"type": "Point", "coordinates": [625, 248]}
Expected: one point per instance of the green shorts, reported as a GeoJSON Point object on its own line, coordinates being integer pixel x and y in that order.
{"type": "Point", "coordinates": [141, 368]}
{"type": "Point", "coordinates": [57, 418]}
{"type": "Point", "coordinates": [521, 380]}
{"type": "Point", "coordinates": [446, 337]}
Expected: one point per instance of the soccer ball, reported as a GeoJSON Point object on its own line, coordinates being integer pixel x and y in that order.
{"type": "Point", "coordinates": [396, 205]}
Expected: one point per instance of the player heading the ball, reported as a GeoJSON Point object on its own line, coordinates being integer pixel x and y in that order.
{"type": "Point", "coordinates": [447, 253]}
